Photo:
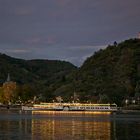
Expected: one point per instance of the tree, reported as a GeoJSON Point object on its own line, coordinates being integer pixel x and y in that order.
{"type": "Point", "coordinates": [103, 98]}
{"type": "Point", "coordinates": [137, 90]}
{"type": "Point", "coordinates": [27, 92]}
{"type": "Point", "coordinates": [1, 95]}
{"type": "Point", "coordinates": [9, 89]}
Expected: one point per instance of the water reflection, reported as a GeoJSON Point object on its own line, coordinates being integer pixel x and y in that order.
{"type": "Point", "coordinates": [68, 126]}
{"type": "Point", "coordinates": [16, 130]}
{"type": "Point", "coordinates": [73, 128]}
{"type": "Point", "coordinates": [52, 129]}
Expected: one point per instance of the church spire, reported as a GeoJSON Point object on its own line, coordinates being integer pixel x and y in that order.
{"type": "Point", "coordinates": [8, 78]}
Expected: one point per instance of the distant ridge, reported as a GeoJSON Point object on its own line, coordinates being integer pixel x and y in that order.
{"type": "Point", "coordinates": [26, 71]}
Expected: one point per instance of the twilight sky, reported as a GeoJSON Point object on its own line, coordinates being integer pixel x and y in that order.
{"type": "Point", "coordinates": [70, 30]}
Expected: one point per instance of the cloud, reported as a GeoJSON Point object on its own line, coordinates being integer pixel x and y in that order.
{"type": "Point", "coordinates": [23, 11]}
{"type": "Point", "coordinates": [33, 40]}
{"type": "Point", "coordinates": [86, 47]}
{"type": "Point", "coordinates": [74, 54]}
{"type": "Point", "coordinates": [40, 40]}
{"type": "Point", "coordinates": [65, 29]}
{"type": "Point", "coordinates": [63, 3]}
{"type": "Point", "coordinates": [51, 40]}
{"type": "Point", "coordinates": [16, 51]}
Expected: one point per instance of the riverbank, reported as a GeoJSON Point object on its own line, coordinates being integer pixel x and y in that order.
{"type": "Point", "coordinates": [10, 107]}
{"type": "Point", "coordinates": [129, 109]}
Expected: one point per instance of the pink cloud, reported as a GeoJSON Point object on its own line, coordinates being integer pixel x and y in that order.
{"type": "Point", "coordinates": [38, 40]}
{"type": "Point", "coordinates": [23, 11]}
{"type": "Point", "coordinates": [51, 40]}
{"type": "Point", "coordinates": [33, 40]}
{"type": "Point", "coordinates": [63, 2]}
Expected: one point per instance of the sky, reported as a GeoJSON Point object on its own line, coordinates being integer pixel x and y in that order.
{"type": "Point", "coordinates": [69, 30]}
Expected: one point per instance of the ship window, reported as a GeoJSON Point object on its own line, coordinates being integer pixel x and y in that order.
{"type": "Point", "coordinates": [82, 107]}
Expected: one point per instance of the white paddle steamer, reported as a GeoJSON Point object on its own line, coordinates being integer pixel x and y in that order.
{"type": "Point", "coordinates": [71, 107]}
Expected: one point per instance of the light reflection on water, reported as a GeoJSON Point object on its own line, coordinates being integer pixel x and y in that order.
{"type": "Point", "coordinates": [71, 126]}
{"type": "Point", "coordinates": [70, 129]}
{"type": "Point", "coordinates": [68, 126]}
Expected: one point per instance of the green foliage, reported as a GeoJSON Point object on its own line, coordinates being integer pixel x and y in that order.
{"type": "Point", "coordinates": [104, 98]}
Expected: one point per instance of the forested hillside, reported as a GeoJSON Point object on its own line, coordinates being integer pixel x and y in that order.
{"type": "Point", "coordinates": [112, 74]}
{"type": "Point", "coordinates": [35, 77]}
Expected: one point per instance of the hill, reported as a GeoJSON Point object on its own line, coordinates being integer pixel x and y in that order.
{"type": "Point", "coordinates": [37, 77]}
{"type": "Point", "coordinates": [112, 74]}
{"type": "Point", "coordinates": [26, 71]}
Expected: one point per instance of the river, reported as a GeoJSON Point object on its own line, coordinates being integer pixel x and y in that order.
{"type": "Point", "coordinates": [45, 125]}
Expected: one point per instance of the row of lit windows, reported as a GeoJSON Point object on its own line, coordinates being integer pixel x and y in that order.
{"type": "Point", "coordinates": [78, 107]}
{"type": "Point", "coordinates": [94, 108]}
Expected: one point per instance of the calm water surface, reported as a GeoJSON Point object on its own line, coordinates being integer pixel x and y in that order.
{"type": "Point", "coordinates": [19, 125]}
